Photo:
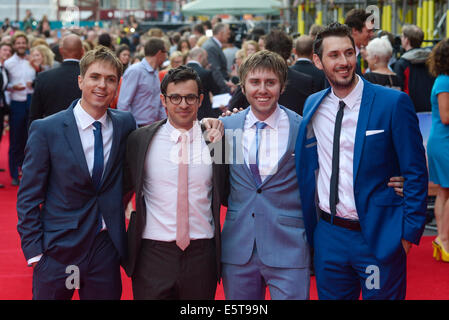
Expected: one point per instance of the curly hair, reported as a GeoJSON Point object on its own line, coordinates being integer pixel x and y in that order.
{"type": "Point", "coordinates": [437, 61]}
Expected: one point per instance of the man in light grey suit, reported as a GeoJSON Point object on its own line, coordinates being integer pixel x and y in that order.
{"type": "Point", "coordinates": [216, 57]}
{"type": "Point", "coordinates": [263, 238]}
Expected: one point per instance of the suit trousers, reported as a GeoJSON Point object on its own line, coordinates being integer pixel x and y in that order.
{"type": "Point", "coordinates": [18, 134]}
{"type": "Point", "coordinates": [344, 267]}
{"type": "Point", "coordinates": [249, 281]}
{"type": "Point", "coordinates": [165, 272]}
{"type": "Point", "coordinates": [98, 275]}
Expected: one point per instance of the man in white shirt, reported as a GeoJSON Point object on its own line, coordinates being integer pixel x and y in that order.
{"type": "Point", "coordinates": [71, 218]}
{"type": "Point", "coordinates": [21, 77]}
{"type": "Point", "coordinates": [353, 138]}
{"type": "Point", "coordinates": [174, 235]}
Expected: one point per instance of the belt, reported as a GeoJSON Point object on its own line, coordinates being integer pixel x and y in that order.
{"type": "Point", "coordinates": [341, 222]}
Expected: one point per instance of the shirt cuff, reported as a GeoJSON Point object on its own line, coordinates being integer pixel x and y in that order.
{"type": "Point", "coordinates": [34, 259]}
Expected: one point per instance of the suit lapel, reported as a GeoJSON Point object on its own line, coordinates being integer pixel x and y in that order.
{"type": "Point", "coordinates": [362, 123]}
{"type": "Point", "coordinates": [144, 142]}
{"type": "Point", "coordinates": [73, 138]}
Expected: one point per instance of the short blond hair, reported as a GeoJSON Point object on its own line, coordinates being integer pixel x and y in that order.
{"type": "Point", "coordinates": [103, 54]}
{"type": "Point", "coordinates": [265, 60]}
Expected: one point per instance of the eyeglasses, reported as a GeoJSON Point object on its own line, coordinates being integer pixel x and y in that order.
{"type": "Point", "coordinates": [177, 99]}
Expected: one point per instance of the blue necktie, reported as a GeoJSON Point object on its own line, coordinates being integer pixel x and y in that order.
{"type": "Point", "coordinates": [254, 153]}
{"type": "Point", "coordinates": [97, 170]}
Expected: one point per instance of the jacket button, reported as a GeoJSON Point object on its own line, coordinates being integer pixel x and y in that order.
{"type": "Point", "coordinates": [259, 190]}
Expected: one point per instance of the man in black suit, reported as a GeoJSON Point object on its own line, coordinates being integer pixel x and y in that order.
{"type": "Point", "coordinates": [56, 88]}
{"type": "Point", "coordinates": [303, 53]}
{"type": "Point", "coordinates": [299, 85]}
{"type": "Point", "coordinates": [197, 60]}
{"type": "Point", "coordinates": [174, 234]}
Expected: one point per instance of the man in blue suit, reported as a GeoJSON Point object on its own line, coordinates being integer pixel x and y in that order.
{"type": "Point", "coordinates": [263, 238]}
{"type": "Point", "coordinates": [353, 137]}
{"type": "Point", "coordinates": [71, 216]}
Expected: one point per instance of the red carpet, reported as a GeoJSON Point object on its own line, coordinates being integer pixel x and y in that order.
{"type": "Point", "coordinates": [427, 278]}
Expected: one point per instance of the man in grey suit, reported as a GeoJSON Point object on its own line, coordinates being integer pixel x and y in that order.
{"type": "Point", "coordinates": [216, 57]}
{"type": "Point", "coordinates": [263, 238]}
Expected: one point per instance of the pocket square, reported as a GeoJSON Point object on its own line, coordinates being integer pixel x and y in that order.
{"type": "Point", "coordinates": [371, 132]}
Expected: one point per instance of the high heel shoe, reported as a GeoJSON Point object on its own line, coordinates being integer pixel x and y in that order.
{"type": "Point", "coordinates": [444, 255]}
{"type": "Point", "coordinates": [436, 249]}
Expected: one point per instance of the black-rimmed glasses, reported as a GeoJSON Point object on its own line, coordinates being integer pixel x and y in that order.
{"type": "Point", "coordinates": [177, 99]}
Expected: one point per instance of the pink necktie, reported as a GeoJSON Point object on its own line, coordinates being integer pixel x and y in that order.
{"type": "Point", "coordinates": [182, 210]}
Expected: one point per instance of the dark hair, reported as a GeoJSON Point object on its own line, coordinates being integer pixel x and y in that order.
{"type": "Point", "coordinates": [335, 29]}
{"type": "Point", "coordinates": [199, 28]}
{"type": "Point", "coordinates": [105, 40]}
{"type": "Point", "coordinates": [180, 74]}
{"type": "Point", "coordinates": [356, 18]}
{"type": "Point", "coordinates": [8, 44]}
{"type": "Point", "coordinates": [153, 45]}
{"type": "Point", "coordinates": [280, 42]}
{"type": "Point", "coordinates": [438, 59]}
{"type": "Point", "coordinates": [121, 48]}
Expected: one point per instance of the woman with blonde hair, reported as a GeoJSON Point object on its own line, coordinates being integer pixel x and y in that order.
{"type": "Point", "coordinates": [250, 47]}
{"type": "Point", "coordinates": [41, 58]}
{"type": "Point", "coordinates": [438, 145]}
{"type": "Point", "coordinates": [176, 59]}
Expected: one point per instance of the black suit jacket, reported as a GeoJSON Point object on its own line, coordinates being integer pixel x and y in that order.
{"type": "Point", "coordinates": [137, 148]}
{"type": "Point", "coordinates": [54, 90]}
{"type": "Point", "coordinates": [299, 87]}
{"type": "Point", "coordinates": [209, 85]}
{"type": "Point", "coordinates": [309, 68]}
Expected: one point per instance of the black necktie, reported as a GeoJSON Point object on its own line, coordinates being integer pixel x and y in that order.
{"type": "Point", "coordinates": [333, 199]}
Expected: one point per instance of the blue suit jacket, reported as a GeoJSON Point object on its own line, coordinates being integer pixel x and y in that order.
{"type": "Point", "coordinates": [57, 203]}
{"type": "Point", "coordinates": [268, 216]}
{"type": "Point", "coordinates": [385, 217]}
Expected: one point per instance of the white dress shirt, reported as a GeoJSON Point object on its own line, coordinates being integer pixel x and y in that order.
{"type": "Point", "coordinates": [273, 142]}
{"type": "Point", "coordinates": [20, 72]}
{"type": "Point", "coordinates": [160, 185]}
{"type": "Point", "coordinates": [323, 123]}
{"type": "Point", "coordinates": [84, 123]}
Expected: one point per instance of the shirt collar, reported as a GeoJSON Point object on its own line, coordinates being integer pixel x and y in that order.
{"type": "Point", "coordinates": [218, 42]}
{"type": "Point", "coordinates": [174, 133]}
{"type": "Point", "coordinates": [304, 59]}
{"type": "Point", "coordinates": [272, 121]}
{"type": "Point", "coordinates": [147, 66]}
{"type": "Point", "coordinates": [85, 119]}
{"type": "Point", "coordinates": [354, 97]}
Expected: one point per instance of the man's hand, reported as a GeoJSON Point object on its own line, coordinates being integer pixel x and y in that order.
{"type": "Point", "coordinates": [228, 112]}
{"type": "Point", "coordinates": [214, 129]}
{"type": "Point", "coordinates": [407, 245]}
{"type": "Point", "coordinates": [18, 87]}
{"type": "Point", "coordinates": [398, 184]}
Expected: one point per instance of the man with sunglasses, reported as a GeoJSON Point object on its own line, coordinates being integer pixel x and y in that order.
{"type": "Point", "coordinates": [174, 235]}
{"type": "Point", "coordinates": [139, 92]}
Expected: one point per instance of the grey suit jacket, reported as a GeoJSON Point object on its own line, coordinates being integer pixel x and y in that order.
{"type": "Point", "coordinates": [137, 147]}
{"type": "Point", "coordinates": [269, 215]}
{"type": "Point", "coordinates": [217, 60]}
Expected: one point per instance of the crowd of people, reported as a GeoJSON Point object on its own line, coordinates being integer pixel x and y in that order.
{"type": "Point", "coordinates": [314, 93]}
